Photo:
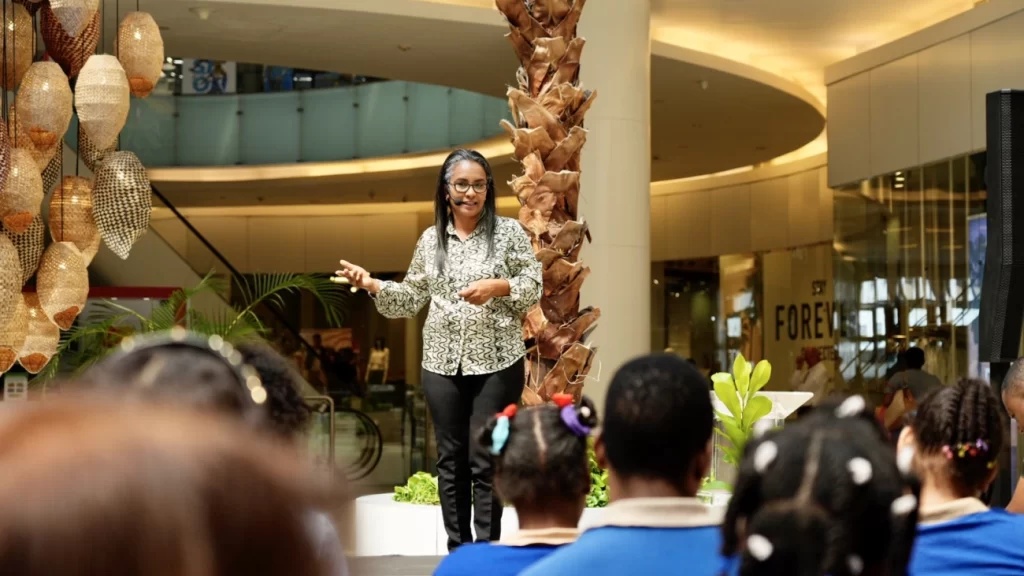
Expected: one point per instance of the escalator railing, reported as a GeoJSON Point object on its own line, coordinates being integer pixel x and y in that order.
{"type": "Point", "coordinates": [361, 446]}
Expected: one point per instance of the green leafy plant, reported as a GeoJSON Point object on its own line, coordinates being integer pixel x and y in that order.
{"type": "Point", "coordinates": [738, 392]}
{"type": "Point", "coordinates": [709, 483]}
{"type": "Point", "coordinates": [598, 496]}
{"type": "Point", "coordinates": [110, 322]}
{"type": "Point", "coordinates": [420, 489]}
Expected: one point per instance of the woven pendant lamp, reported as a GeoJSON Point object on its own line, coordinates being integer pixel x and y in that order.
{"type": "Point", "coordinates": [13, 334]}
{"type": "Point", "coordinates": [19, 138]}
{"type": "Point", "coordinates": [140, 48]}
{"type": "Point", "coordinates": [71, 52]}
{"type": "Point", "coordinates": [32, 6]}
{"type": "Point", "coordinates": [71, 217]}
{"type": "Point", "coordinates": [89, 153]}
{"type": "Point", "coordinates": [122, 201]}
{"type": "Point", "coordinates": [42, 340]}
{"type": "Point", "coordinates": [102, 97]}
{"type": "Point", "coordinates": [53, 172]}
{"type": "Point", "coordinates": [30, 246]}
{"type": "Point", "coordinates": [22, 195]}
{"type": "Point", "coordinates": [74, 15]}
{"type": "Point", "coordinates": [62, 283]}
{"type": "Point", "coordinates": [20, 44]}
{"type": "Point", "coordinates": [5, 154]}
{"type": "Point", "coordinates": [44, 104]}
{"type": "Point", "coordinates": [10, 279]}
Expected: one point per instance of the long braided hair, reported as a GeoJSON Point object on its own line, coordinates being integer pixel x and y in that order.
{"type": "Point", "coordinates": [822, 496]}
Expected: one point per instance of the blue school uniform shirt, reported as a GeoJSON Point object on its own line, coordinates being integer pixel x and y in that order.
{"type": "Point", "coordinates": [684, 539]}
{"type": "Point", "coordinates": [983, 543]}
{"type": "Point", "coordinates": [492, 560]}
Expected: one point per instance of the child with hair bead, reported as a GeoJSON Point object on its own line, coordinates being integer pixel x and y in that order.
{"type": "Point", "coordinates": [541, 468]}
{"type": "Point", "coordinates": [821, 497]}
{"type": "Point", "coordinates": [953, 445]}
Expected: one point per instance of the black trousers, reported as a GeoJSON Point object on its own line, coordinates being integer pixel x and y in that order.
{"type": "Point", "coordinates": [460, 405]}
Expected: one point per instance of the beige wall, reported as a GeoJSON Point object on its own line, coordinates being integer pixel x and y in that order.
{"type": "Point", "coordinates": [760, 210]}
{"type": "Point", "coordinates": [922, 99]}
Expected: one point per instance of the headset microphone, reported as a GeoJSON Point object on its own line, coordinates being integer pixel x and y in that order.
{"type": "Point", "coordinates": [458, 202]}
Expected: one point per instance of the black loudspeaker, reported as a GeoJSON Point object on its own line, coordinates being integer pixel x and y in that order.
{"type": "Point", "coordinates": [1002, 290]}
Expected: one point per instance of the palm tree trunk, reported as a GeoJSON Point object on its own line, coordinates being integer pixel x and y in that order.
{"type": "Point", "coordinates": [547, 110]}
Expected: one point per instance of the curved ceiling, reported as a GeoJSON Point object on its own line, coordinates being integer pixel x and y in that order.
{"type": "Point", "coordinates": [743, 117]}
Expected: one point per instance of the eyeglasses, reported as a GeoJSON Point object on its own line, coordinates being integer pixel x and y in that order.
{"type": "Point", "coordinates": [463, 187]}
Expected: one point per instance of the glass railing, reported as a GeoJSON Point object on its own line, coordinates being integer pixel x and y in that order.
{"type": "Point", "coordinates": [324, 125]}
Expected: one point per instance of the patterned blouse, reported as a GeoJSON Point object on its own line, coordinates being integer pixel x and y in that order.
{"type": "Point", "coordinates": [478, 339]}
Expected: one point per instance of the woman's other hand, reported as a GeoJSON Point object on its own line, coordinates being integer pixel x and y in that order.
{"type": "Point", "coordinates": [359, 277]}
{"type": "Point", "coordinates": [481, 291]}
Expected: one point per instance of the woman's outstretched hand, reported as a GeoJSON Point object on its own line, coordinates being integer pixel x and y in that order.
{"type": "Point", "coordinates": [359, 277]}
{"type": "Point", "coordinates": [481, 291]}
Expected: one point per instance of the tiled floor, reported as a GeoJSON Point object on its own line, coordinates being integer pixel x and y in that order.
{"type": "Point", "coordinates": [393, 566]}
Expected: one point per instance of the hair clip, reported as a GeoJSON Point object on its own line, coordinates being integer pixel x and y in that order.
{"type": "Point", "coordinates": [499, 436]}
{"type": "Point", "coordinates": [562, 400]}
{"type": "Point", "coordinates": [965, 449]}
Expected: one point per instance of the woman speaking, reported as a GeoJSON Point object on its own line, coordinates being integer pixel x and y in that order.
{"type": "Point", "coordinates": [480, 275]}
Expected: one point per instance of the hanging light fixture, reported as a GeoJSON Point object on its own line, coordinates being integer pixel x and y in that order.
{"type": "Point", "coordinates": [62, 283]}
{"type": "Point", "coordinates": [102, 97]}
{"type": "Point", "coordinates": [13, 334]}
{"type": "Point", "coordinates": [54, 170]}
{"type": "Point", "coordinates": [69, 51]}
{"type": "Point", "coordinates": [89, 153]}
{"type": "Point", "coordinates": [122, 201]}
{"type": "Point", "coordinates": [20, 44]}
{"type": "Point", "coordinates": [19, 137]}
{"type": "Point", "coordinates": [10, 279]}
{"type": "Point", "coordinates": [32, 6]}
{"type": "Point", "coordinates": [71, 218]}
{"type": "Point", "coordinates": [44, 105]}
{"type": "Point", "coordinates": [140, 48]}
{"type": "Point", "coordinates": [74, 15]}
{"type": "Point", "coordinates": [5, 154]}
{"type": "Point", "coordinates": [22, 194]}
{"type": "Point", "coordinates": [29, 245]}
{"type": "Point", "coordinates": [42, 340]}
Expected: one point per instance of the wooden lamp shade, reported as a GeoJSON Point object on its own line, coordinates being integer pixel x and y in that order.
{"type": "Point", "coordinates": [22, 194]}
{"type": "Point", "coordinates": [62, 283]}
{"type": "Point", "coordinates": [71, 52]}
{"type": "Point", "coordinates": [140, 49]}
{"type": "Point", "coordinates": [89, 153]}
{"type": "Point", "coordinates": [102, 97]}
{"type": "Point", "coordinates": [19, 137]}
{"type": "Point", "coordinates": [42, 339]}
{"type": "Point", "coordinates": [54, 171]}
{"type": "Point", "coordinates": [71, 218]}
{"type": "Point", "coordinates": [122, 201]}
{"type": "Point", "coordinates": [13, 334]}
{"type": "Point", "coordinates": [5, 154]}
{"type": "Point", "coordinates": [44, 105]}
{"type": "Point", "coordinates": [30, 246]}
{"type": "Point", "coordinates": [18, 44]}
{"type": "Point", "coordinates": [74, 15]}
{"type": "Point", "coordinates": [10, 279]}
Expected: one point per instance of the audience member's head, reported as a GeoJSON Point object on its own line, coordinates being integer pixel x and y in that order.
{"type": "Point", "coordinates": [822, 496]}
{"type": "Point", "coordinates": [540, 457]}
{"type": "Point", "coordinates": [1013, 392]}
{"type": "Point", "coordinates": [182, 369]}
{"type": "Point", "coordinates": [956, 438]}
{"type": "Point", "coordinates": [286, 411]}
{"type": "Point", "coordinates": [914, 358]}
{"type": "Point", "coordinates": [95, 490]}
{"type": "Point", "coordinates": [656, 438]}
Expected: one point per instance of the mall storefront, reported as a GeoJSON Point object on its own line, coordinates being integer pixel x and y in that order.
{"type": "Point", "coordinates": [903, 270]}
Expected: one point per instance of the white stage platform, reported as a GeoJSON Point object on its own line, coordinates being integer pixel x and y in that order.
{"type": "Point", "coordinates": [388, 528]}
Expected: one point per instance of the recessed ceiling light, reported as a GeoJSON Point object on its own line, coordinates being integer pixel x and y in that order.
{"type": "Point", "coordinates": [201, 11]}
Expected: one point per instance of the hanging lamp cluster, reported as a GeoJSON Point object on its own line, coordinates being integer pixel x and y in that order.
{"type": "Point", "coordinates": [81, 216]}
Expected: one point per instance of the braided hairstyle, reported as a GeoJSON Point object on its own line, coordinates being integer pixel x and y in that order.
{"type": "Point", "coordinates": [287, 412]}
{"type": "Point", "coordinates": [543, 463]}
{"type": "Point", "coordinates": [822, 496]}
{"type": "Point", "coordinates": [962, 426]}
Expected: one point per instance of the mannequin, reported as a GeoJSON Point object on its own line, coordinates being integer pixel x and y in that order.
{"type": "Point", "coordinates": [380, 360]}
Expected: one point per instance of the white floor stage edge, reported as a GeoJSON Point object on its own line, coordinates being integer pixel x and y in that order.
{"type": "Point", "coordinates": [388, 528]}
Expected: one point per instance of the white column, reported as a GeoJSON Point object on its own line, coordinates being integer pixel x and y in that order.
{"type": "Point", "coordinates": [615, 186]}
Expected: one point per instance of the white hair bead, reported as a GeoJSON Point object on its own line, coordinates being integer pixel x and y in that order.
{"type": "Point", "coordinates": [904, 505]}
{"type": "Point", "coordinates": [850, 407]}
{"type": "Point", "coordinates": [759, 547]}
{"type": "Point", "coordinates": [905, 460]}
{"type": "Point", "coordinates": [855, 564]}
{"type": "Point", "coordinates": [765, 455]}
{"type": "Point", "coordinates": [860, 470]}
